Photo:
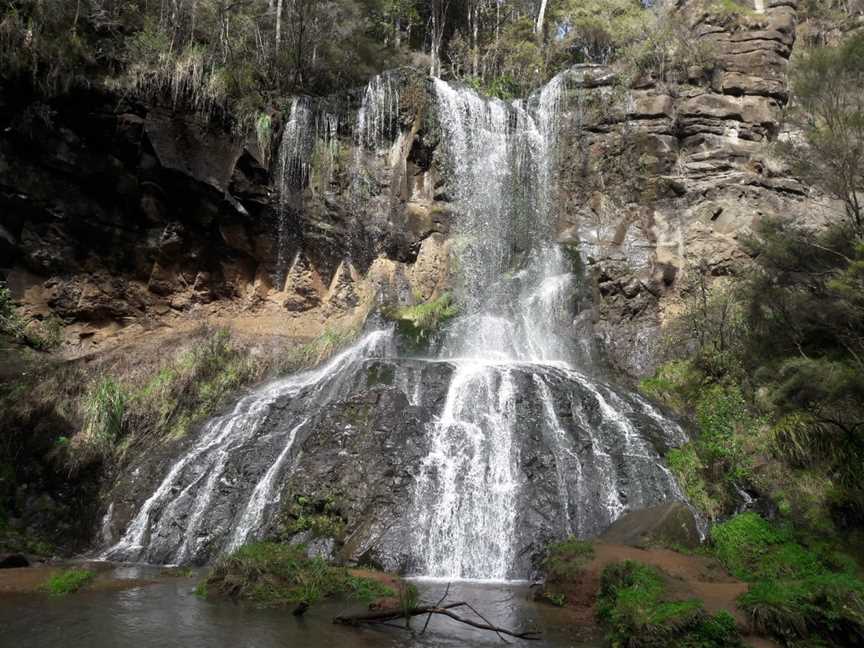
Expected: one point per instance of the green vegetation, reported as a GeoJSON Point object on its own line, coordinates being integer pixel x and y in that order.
{"type": "Point", "coordinates": [68, 581]}
{"type": "Point", "coordinates": [567, 558]}
{"type": "Point", "coordinates": [827, 83]}
{"type": "Point", "coordinates": [42, 335]}
{"type": "Point", "coordinates": [802, 589]}
{"type": "Point", "coordinates": [240, 60]}
{"type": "Point", "coordinates": [317, 350]}
{"type": "Point", "coordinates": [185, 390]}
{"type": "Point", "coordinates": [827, 609]}
{"type": "Point", "coordinates": [104, 412]}
{"type": "Point", "coordinates": [632, 604]}
{"type": "Point", "coordinates": [419, 323]}
{"type": "Point", "coordinates": [275, 574]}
{"type": "Point", "coordinates": [753, 549]}
{"type": "Point", "coordinates": [320, 516]}
{"type": "Point", "coordinates": [563, 564]}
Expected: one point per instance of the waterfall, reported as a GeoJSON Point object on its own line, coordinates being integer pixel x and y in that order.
{"type": "Point", "coordinates": [508, 437]}
{"type": "Point", "coordinates": [517, 292]}
{"type": "Point", "coordinates": [176, 523]}
{"type": "Point", "coordinates": [292, 173]}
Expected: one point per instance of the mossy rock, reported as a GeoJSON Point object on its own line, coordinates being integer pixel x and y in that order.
{"type": "Point", "coordinates": [667, 525]}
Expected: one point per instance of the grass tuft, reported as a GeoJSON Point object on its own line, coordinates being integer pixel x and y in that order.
{"type": "Point", "coordinates": [275, 574]}
{"type": "Point", "coordinates": [419, 323]}
{"type": "Point", "coordinates": [68, 581]}
{"type": "Point", "coordinates": [632, 604]}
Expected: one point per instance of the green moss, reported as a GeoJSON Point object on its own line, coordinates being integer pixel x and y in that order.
{"type": "Point", "coordinates": [68, 581]}
{"type": "Point", "coordinates": [754, 550]}
{"type": "Point", "coordinates": [381, 375]}
{"type": "Point", "coordinates": [273, 574]}
{"type": "Point", "coordinates": [632, 604]}
{"type": "Point", "coordinates": [417, 324]}
{"type": "Point", "coordinates": [743, 542]}
{"type": "Point", "coordinates": [320, 516]}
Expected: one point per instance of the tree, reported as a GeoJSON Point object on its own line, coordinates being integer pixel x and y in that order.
{"type": "Point", "coordinates": [829, 109]}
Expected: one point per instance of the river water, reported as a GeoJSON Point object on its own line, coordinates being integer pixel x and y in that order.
{"type": "Point", "coordinates": [168, 614]}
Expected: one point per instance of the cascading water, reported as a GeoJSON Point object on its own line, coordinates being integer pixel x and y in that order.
{"type": "Point", "coordinates": [223, 469]}
{"type": "Point", "coordinates": [292, 173]}
{"type": "Point", "coordinates": [518, 293]}
{"type": "Point", "coordinates": [513, 443]}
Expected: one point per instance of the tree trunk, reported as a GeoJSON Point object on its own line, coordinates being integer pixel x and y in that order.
{"type": "Point", "coordinates": [278, 25]}
{"type": "Point", "coordinates": [541, 17]}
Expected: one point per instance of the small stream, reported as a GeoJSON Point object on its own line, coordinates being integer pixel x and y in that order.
{"type": "Point", "coordinates": [168, 614]}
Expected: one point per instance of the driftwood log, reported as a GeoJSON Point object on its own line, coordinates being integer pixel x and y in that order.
{"type": "Point", "coordinates": [387, 617]}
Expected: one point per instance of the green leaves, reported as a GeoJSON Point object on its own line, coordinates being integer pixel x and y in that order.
{"type": "Point", "coordinates": [634, 606]}
{"type": "Point", "coordinates": [270, 573]}
{"type": "Point", "coordinates": [68, 581]}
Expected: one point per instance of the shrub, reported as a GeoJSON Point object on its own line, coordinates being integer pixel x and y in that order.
{"type": "Point", "coordinates": [104, 413]}
{"type": "Point", "coordinates": [689, 470]}
{"type": "Point", "coordinates": [742, 543]}
{"type": "Point", "coordinates": [419, 323]}
{"type": "Point", "coordinates": [68, 581]}
{"type": "Point", "coordinates": [825, 607]}
{"type": "Point", "coordinates": [632, 604]}
{"type": "Point", "coordinates": [273, 574]}
{"type": "Point", "coordinates": [753, 549]}
{"type": "Point", "coordinates": [42, 335]}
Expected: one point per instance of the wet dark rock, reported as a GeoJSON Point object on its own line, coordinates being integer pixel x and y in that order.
{"type": "Point", "coordinates": [362, 452]}
{"type": "Point", "coordinates": [669, 525]}
{"type": "Point", "coordinates": [13, 561]}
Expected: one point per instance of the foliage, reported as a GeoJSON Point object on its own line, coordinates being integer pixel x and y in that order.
{"type": "Point", "coordinates": [104, 411]}
{"type": "Point", "coordinates": [68, 581]}
{"type": "Point", "coordinates": [805, 345]}
{"type": "Point", "coordinates": [827, 608]}
{"type": "Point", "coordinates": [666, 50]}
{"type": "Point", "coordinates": [186, 388]}
{"type": "Point", "coordinates": [565, 559]}
{"type": "Point", "coordinates": [42, 335]}
{"type": "Point", "coordinates": [711, 467]}
{"type": "Point", "coordinates": [689, 470]}
{"type": "Point", "coordinates": [632, 605]}
{"type": "Point", "coordinates": [712, 323]}
{"type": "Point", "coordinates": [275, 574]}
{"type": "Point", "coordinates": [771, 371]}
{"type": "Point", "coordinates": [598, 31]}
{"type": "Point", "coordinates": [320, 516]}
{"type": "Point", "coordinates": [419, 323]}
{"type": "Point", "coordinates": [44, 43]}
{"type": "Point", "coordinates": [755, 549]}
{"type": "Point", "coordinates": [826, 85]}
{"type": "Point", "coordinates": [319, 349]}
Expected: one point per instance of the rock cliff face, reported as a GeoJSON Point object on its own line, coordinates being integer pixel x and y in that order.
{"type": "Point", "coordinates": [664, 181]}
{"type": "Point", "coordinates": [120, 216]}
{"type": "Point", "coordinates": [117, 214]}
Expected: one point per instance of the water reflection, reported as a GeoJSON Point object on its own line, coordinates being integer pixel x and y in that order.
{"type": "Point", "coordinates": [168, 614]}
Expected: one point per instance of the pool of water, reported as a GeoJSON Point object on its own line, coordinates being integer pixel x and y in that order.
{"type": "Point", "coordinates": [168, 614]}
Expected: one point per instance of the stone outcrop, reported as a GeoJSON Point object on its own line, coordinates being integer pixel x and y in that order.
{"type": "Point", "coordinates": [155, 212]}
{"type": "Point", "coordinates": [672, 184]}
{"type": "Point", "coordinates": [114, 212]}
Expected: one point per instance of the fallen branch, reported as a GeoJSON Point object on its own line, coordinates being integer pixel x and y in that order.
{"type": "Point", "coordinates": [384, 616]}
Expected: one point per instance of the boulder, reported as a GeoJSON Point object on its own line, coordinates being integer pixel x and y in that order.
{"type": "Point", "coordinates": [673, 524]}
{"type": "Point", "coordinates": [13, 561]}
